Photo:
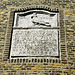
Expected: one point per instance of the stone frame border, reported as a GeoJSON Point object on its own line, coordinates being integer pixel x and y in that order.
{"type": "Point", "coordinates": [62, 44]}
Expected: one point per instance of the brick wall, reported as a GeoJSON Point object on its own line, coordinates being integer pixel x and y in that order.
{"type": "Point", "coordinates": [65, 65]}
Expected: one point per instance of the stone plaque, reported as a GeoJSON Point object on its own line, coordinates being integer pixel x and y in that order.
{"type": "Point", "coordinates": [35, 34]}
{"type": "Point", "coordinates": [36, 18]}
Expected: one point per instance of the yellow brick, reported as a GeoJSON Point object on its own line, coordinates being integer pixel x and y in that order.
{"type": "Point", "coordinates": [0, 73]}
{"type": "Point", "coordinates": [64, 69]}
{"type": "Point", "coordinates": [31, 70]}
{"type": "Point", "coordinates": [17, 73]}
{"type": "Point", "coordinates": [9, 70]}
{"type": "Point", "coordinates": [70, 29]}
{"type": "Point", "coordinates": [64, 66]}
{"type": "Point", "coordinates": [2, 12]}
{"type": "Point", "coordinates": [69, 60]}
{"type": "Point", "coordinates": [73, 23]}
{"type": "Point", "coordinates": [16, 68]}
{"type": "Point", "coordinates": [28, 73]}
{"type": "Point", "coordinates": [5, 0]}
{"type": "Point", "coordinates": [58, 69]}
{"type": "Point", "coordinates": [73, 70]}
{"type": "Point", "coordinates": [1, 16]}
{"type": "Point", "coordinates": [0, 53]}
{"type": "Point", "coordinates": [67, 12]}
{"type": "Point", "coordinates": [40, 73]}
{"type": "Point", "coordinates": [23, 71]}
{"type": "Point", "coordinates": [39, 68]}
{"type": "Point", "coordinates": [62, 74]}
{"type": "Point", "coordinates": [56, 64]}
{"type": "Point", "coordinates": [8, 64]}
{"type": "Point", "coordinates": [2, 22]}
{"type": "Point", "coordinates": [5, 73]}
{"type": "Point", "coordinates": [34, 68]}
{"type": "Point", "coordinates": [72, 4]}
{"type": "Point", "coordinates": [73, 14]}
{"type": "Point", "coordinates": [73, 19]}
{"type": "Point", "coordinates": [74, 52]}
{"type": "Point", "coordinates": [69, 70]}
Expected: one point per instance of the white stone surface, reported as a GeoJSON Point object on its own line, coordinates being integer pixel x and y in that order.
{"type": "Point", "coordinates": [35, 41]}
{"type": "Point", "coordinates": [38, 17]}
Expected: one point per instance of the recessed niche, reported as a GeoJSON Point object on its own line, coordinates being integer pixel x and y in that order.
{"type": "Point", "coordinates": [35, 34]}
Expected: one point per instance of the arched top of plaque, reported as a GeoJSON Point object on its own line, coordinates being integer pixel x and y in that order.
{"type": "Point", "coordinates": [35, 18]}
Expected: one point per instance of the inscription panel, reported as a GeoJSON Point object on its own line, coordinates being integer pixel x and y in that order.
{"type": "Point", "coordinates": [30, 40]}
{"type": "Point", "coordinates": [34, 42]}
